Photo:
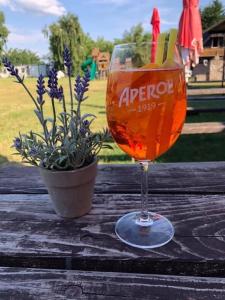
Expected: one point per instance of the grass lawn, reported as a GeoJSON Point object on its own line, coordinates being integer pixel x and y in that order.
{"type": "Point", "coordinates": [200, 85]}
{"type": "Point", "coordinates": [16, 110]}
{"type": "Point", "coordinates": [17, 115]}
{"type": "Point", "coordinates": [196, 147]}
{"type": "Point", "coordinates": [207, 104]}
{"type": "Point", "coordinates": [207, 117]}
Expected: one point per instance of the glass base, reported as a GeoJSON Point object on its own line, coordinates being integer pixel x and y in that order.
{"type": "Point", "coordinates": [132, 232]}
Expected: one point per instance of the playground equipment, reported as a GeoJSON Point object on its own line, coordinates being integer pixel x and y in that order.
{"type": "Point", "coordinates": [91, 65]}
{"type": "Point", "coordinates": [97, 64]}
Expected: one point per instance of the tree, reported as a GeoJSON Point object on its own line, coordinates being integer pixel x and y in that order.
{"type": "Point", "coordinates": [67, 31]}
{"type": "Point", "coordinates": [23, 57]}
{"type": "Point", "coordinates": [104, 45]}
{"type": "Point", "coordinates": [140, 55]}
{"type": "Point", "coordinates": [212, 14]}
{"type": "Point", "coordinates": [3, 32]}
{"type": "Point", "coordinates": [89, 44]}
{"type": "Point", "coordinates": [135, 35]}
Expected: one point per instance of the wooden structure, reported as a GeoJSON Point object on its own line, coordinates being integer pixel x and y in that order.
{"type": "Point", "coordinates": [211, 66]}
{"type": "Point", "coordinates": [97, 64]}
{"type": "Point", "coordinates": [95, 53]}
{"type": "Point", "coordinates": [45, 257]}
{"type": "Point", "coordinates": [103, 61]}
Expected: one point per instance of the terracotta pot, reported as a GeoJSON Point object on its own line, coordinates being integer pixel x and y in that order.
{"type": "Point", "coordinates": [71, 191]}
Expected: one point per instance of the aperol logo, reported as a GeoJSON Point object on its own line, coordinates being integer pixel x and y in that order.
{"type": "Point", "coordinates": [145, 93]}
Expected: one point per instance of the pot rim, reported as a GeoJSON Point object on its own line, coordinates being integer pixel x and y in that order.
{"type": "Point", "coordinates": [70, 171]}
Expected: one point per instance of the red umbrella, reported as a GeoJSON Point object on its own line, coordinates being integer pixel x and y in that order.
{"type": "Point", "coordinates": [155, 21]}
{"type": "Point", "coordinates": [190, 32]}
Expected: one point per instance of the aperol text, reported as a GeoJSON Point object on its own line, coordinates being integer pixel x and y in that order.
{"type": "Point", "coordinates": [145, 93]}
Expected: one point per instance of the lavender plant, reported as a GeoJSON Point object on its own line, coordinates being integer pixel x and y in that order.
{"type": "Point", "coordinates": [67, 141]}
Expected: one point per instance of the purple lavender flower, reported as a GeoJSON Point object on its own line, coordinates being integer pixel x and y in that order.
{"type": "Point", "coordinates": [17, 143]}
{"type": "Point", "coordinates": [52, 81]}
{"type": "Point", "coordinates": [86, 123]}
{"type": "Point", "coordinates": [78, 85]}
{"type": "Point", "coordinates": [83, 131]}
{"type": "Point", "coordinates": [32, 152]}
{"type": "Point", "coordinates": [11, 69]}
{"type": "Point", "coordinates": [40, 89]}
{"type": "Point", "coordinates": [67, 60]}
{"type": "Point", "coordinates": [54, 91]}
{"type": "Point", "coordinates": [81, 86]}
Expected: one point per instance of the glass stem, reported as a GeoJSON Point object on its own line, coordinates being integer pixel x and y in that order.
{"type": "Point", "coordinates": [144, 218]}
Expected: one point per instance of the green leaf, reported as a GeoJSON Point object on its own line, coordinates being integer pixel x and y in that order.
{"type": "Point", "coordinates": [85, 116]}
{"type": "Point", "coordinates": [38, 114]}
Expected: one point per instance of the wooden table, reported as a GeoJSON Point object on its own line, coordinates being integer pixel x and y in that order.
{"type": "Point", "coordinates": [45, 257]}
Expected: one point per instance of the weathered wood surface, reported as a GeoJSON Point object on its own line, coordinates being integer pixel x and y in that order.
{"type": "Point", "coordinates": [32, 235]}
{"type": "Point", "coordinates": [191, 195]}
{"type": "Point", "coordinates": [33, 284]}
{"type": "Point", "coordinates": [203, 178]}
{"type": "Point", "coordinates": [203, 127]}
{"type": "Point", "coordinates": [206, 91]}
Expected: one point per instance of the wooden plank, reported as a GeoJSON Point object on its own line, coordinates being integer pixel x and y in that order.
{"type": "Point", "coordinates": [212, 52]}
{"type": "Point", "coordinates": [24, 284]}
{"type": "Point", "coordinates": [32, 235]}
{"type": "Point", "coordinates": [192, 111]}
{"type": "Point", "coordinates": [205, 91]}
{"type": "Point", "coordinates": [204, 127]}
{"type": "Point", "coordinates": [202, 178]}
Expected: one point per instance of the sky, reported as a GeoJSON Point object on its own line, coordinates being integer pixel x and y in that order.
{"type": "Point", "coordinates": [100, 18]}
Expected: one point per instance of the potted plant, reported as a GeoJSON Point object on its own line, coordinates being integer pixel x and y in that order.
{"type": "Point", "coordinates": [66, 151]}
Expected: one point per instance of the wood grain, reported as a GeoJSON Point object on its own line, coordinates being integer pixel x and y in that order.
{"type": "Point", "coordinates": [32, 235]}
{"type": "Point", "coordinates": [204, 92]}
{"type": "Point", "coordinates": [191, 195]}
{"type": "Point", "coordinates": [203, 127]}
{"type": "Point", "coordinates": [203, 178]}
{"type": "Point", "coordinates": [27, 284]}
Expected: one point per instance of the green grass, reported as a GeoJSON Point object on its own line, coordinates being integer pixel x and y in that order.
{"type": "Point", "coordinates": [16, 111]}
{"type": "Point", "coordinates": [207, 117]}
{"type": "Point", "coordinates": [207, 104]}
{"type": "Point", "coordinates": [207, 84]}
{"type": "Point", "coordinates": [196, 147]}
{"type": "Point", "coordinates": [188, 148]}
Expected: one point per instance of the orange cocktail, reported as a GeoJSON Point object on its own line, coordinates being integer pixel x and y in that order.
{"type": "Point", "coordinates": [146, 109]}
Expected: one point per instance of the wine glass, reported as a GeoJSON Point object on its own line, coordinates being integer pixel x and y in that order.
{"type": "Point", "coordinates": [146, 109]}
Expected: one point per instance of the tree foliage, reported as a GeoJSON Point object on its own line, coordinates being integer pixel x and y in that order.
{"type": "Point", "coordinates": [88, 45]}
{"type": "Point", "coordinates": [104, 45]}
{"type": "Point", "coordinates": [135, 35]}
{"type": "Point", "coordinates": [66, 31]}
{"type": "Point", "coordinates": [212, 13]}
{"type": "Point", "coordinates": [23, 57]}
{"type": "Point", "coordinates": [3, 32]}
